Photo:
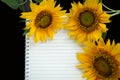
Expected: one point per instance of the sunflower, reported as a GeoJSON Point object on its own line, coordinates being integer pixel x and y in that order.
{"type": "Point", "coordinates": [87, 21]}
{"type": "Point", "coordinates": [44, 20]}
{"type": "Point", "coordinates": [100, 60]}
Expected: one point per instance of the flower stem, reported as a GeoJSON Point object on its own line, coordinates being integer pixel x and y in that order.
{"type": "Point", "coordinates": [116, 13]}
{"type": "Point", "coordinates": [109, 12]}
{"type": "Point", "coordinates": [23, 2]}
{"type": "Point", "coordinates": [112, 10]}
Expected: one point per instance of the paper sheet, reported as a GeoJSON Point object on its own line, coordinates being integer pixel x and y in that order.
{"type": "Point", "coordinates": [52, 60]}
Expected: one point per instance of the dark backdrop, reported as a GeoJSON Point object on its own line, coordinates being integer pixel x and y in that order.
{"type": "Point", "coordinates": [13, 43]}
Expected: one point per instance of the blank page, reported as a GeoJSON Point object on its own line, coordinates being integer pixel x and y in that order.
{"type": "Point", "coordinates": [52, 60]}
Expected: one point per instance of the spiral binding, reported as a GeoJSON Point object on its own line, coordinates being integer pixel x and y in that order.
{"type": "Point", "coordinates": [27, 44]}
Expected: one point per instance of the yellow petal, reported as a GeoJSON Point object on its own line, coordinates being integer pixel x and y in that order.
{"type": "Point", "coordinates": [33, 6]}
{"type": "Point", "coordinates": [50, 33]}
{"type": "Point", "coordinates": [26, 15]}
{"type": "Point", "coordinates": [97, 35]}
{"type": "Point", "coordinates": [32, 31]}
{"type": "Point", "coordinates": [113, 43]}
{"type": "Point", "coordinates": [105, 18]}
{"type": "Point", "coordinates": [116, 49]}
{"type": "Point", "coordinates": [99, 9]}
{"type": "Point", "coordinates": [43, 3]}
{"type": "Point", "coordinates": [108, 43]}
{"type": "Point", "coordinates": [83, 65]}
{"type": "Point", "coordinates": [75, 34]}
{"type": "Point", "coordinates": [81, 37]}
{"type": "Point", "coordinates": [36, 36]}
{"type": "Point", "coordinates": [74, 6]}
{"type": "Point", "coordinates": [80, 5]}
{"type": "Point", "coordinates": [101, 42]}
{"type": "Point", "coordinates": [103, 27]}
{"type": "Point", "coordinates": [91, 3]}
{"type": "Point", "coordinates": [58, 7]}
{"type": "Point", "coordinates": [51, 3]}
{"type": "Point", "coordinates": [44, 37]}
{"type": "Point", "coordinates": [118, 57]}
{"type": "Point", "coordinates": [87, 74]}
{"type": "Point", "coordinates": [71, 25]}
{"type": "Point", "coordinates": [92, 77]}
{"type": "Point", "coordinates": [83, 58]}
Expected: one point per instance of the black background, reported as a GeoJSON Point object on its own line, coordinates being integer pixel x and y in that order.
{"type": "Point", "coordinates": [13, 43]}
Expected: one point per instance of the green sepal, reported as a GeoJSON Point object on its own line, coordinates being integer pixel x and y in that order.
{"type": "Point", "coordinates": [26, 31]}
{"type": "Point", "coordinates": [38, 1]}
{"type": "Point", "coordinates": [83, 1]}
{"type": "Point", "coordinates": [100, 0]}
{"type": "Point", "coordinates": [104, 35]}
{"type": "Point", "coordinates": [22, 21]}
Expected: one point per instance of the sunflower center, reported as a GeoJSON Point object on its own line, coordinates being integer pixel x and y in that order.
{"type": "Point", "coordinates": [86, 18]}
{"type": "Point", "coordinates": [105, 65]}
{"type": "Point", "coordinates": [102, 66]}
{"type": "Point", "coordinates": [43, 19]}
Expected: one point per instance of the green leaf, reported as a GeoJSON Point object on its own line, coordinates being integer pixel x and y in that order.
{"type": "Point", "coordinates": [26, 31]}
{"type": "Point", "coordinates": [11, 3]}
{"type": "Point", "coordinates": [104, 35]}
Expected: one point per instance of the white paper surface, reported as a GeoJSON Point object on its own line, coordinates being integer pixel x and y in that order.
{"type": "Point", "coordinates": [52, 60]}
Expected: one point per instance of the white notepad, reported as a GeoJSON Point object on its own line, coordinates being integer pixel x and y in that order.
{"type": "Point", "coordinates": [52, 60]}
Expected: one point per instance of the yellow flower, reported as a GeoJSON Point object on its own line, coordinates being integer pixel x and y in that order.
{"type": "Point", "coordinates": [100, 60]}
{"type": "Point", "coordinates": [44, 20]}
{"type": "Point", "coordinates": [87, 21]}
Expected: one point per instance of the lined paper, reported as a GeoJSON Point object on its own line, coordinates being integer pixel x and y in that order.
{"type": "Point", "coordinates": [52, 60]}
